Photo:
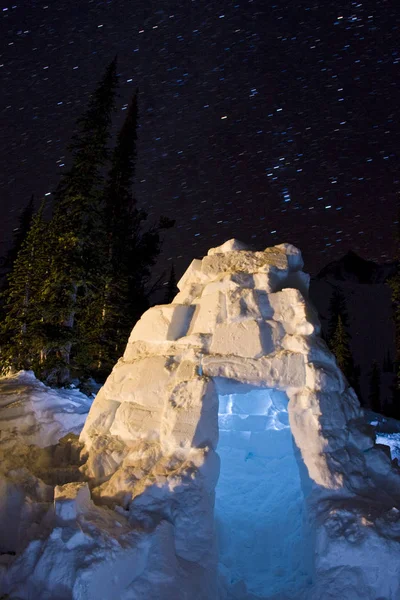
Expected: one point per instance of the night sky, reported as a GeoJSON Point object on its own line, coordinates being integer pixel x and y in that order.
{"type": "Point", "coordinates": [265, 121]}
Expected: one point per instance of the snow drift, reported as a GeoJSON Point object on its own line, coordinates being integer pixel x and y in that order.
{"type": "Point", "coordinates": [225, 457]}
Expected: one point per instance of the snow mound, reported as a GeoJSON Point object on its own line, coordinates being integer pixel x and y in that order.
{"type": "Point", "coordinates": [35, 414]}
{"type": "Point", "coordinates": [39, 429]}
{"type": "Point", "coordinates": [387, 431]}
{"type": "Point", "coordinates": [225, 458]}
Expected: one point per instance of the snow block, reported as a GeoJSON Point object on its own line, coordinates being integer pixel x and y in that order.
{"type": "Point", "coordinates": [322, 377]}
{"type": "Point", "coordinates": [192, 276]}
{"type": "Point", "coordinates": [100, 418]}
{"type": "Point", "coordinates": [313, 347]}
{"type": "Point", "coordinates": [135, 382]}
{"type": "Point", "coordinates": [243, 261]}
{"type": "Point", "coordinates": [133, 421]}
{"type": "Point", "coordinates": [163, 323]}
{"type": "Point", "coordinates": [294, 257]}
{"type": "Point", "coordinates": [298, 280]}
{"type": "Point", "coordinates": [227, 282]}
{"type": "Point", "coordinates": [209, 311]}
{"type": "Point", "coordinates": [242, 304]}
{"type": "Point", "coordinates": [289, 307]}
{"type": "Point", "coordinates": [191, 419]}
{"type": "Point", "coordinates": [70, 500]}
{"type": "Point", "coordinates": [279, 372]}
{"type": "Point", "coordinates": [249, 338]}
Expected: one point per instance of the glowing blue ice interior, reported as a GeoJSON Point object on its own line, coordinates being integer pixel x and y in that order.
{"type": "Point", "coordinates": [264, 542]}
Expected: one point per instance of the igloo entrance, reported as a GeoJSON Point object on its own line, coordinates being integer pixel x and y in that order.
{"type": "Point", "coordinates": [264, 542]}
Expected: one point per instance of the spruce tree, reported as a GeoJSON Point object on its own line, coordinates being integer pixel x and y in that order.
{"type": "Point", "coordinates": [121, 219]}
{"type": "Point", "coordinates": [74, 280]}
{"type": "Point", "coordinates": [119, 201]}
{"type": "Point", "coordinates": [375, 388]}
{"type": "Point", "coordinates": [172, 288]}
{"type": "Point", "coordinates": [22, 334]}
{"type": "Point", "coordinates": [94, 269]}
{"type": "Point", "coordinates": [132, 249]}
{"type": "Point", "coordinates": [20, 234]}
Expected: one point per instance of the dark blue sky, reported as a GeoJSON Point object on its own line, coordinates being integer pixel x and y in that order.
{"type": "Point", "coordinates": [268, 122]}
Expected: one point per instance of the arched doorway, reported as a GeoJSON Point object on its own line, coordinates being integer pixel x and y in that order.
{"type": "Point", "coordinates": [264, 542]}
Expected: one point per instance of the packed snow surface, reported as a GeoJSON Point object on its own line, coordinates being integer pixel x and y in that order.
{"type": "Point", "coordinates": [393, 441]}
{"type": "Point", "coordinates": [33, 420]}
{"type": "Point", "coordinates": [37, 414]}
{"type": "Point", "coordinates": [387, 432]}
{"type": "Point", "coordinates": [225, 458]}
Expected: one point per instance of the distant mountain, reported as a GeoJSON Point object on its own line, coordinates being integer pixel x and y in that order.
{"type": "Point", "coordinates": [352, 267]}
{"type": "Point", "coordinates": [364, 286]}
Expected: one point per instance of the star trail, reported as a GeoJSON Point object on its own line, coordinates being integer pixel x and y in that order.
{"type": "Point", "coordinates": [268, 122]}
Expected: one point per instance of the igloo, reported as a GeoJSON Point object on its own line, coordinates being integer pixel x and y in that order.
{"type": "Point", "coordinates": [227, 457]}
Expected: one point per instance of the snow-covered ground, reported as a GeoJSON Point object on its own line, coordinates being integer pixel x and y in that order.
{"type": "Point", "coordinates": [36, 414]}
{"type": "Point", "coordinates": [387, 432]}
{"type": "Point", "coordinates": [225, 458]}
{"type": "Point", "coordinates": [39, 448]}
{"type": "Point", "coordinates": [31, 414]}
{"type": "Point", "coordinates": [393, 441]}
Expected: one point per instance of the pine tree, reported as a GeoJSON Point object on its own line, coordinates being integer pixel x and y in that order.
{"type": "Point", "coordinates": [22, 333]}
{"type": "Point", "coordinates": [375, 388]}
{"type": "Point", "coordinates": [75, 283]}
{"type": "Point", "coordinates": [172, 288]}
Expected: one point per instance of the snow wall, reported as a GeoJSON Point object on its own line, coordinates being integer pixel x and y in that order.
{"type": "Point", "coordinates": [226, 456]}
